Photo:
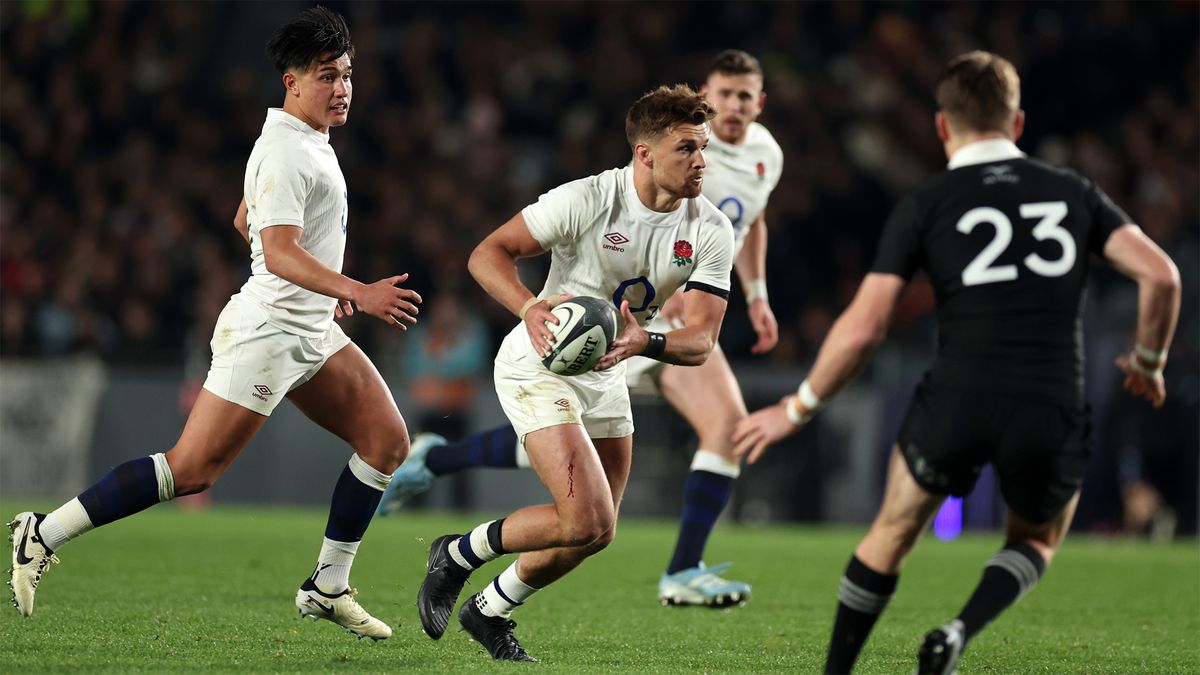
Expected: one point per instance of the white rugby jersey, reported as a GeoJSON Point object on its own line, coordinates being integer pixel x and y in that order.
{"type": "Point", "coordinates": [604, 242]}
{"type": "Point", "coordinates": [293, 178]}
{"type": "Point", "coordinates": [739, 178]}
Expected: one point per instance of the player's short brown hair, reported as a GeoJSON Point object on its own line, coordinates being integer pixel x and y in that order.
{"type": "Point", "coordinates": [660, 110]}
{"type": "Point", "coordinates": [735, 62]}
{"type": "Point", "coordinates": [979, 91]}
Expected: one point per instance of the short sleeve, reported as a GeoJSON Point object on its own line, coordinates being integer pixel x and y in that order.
{"type": "Point", "coordinates": [281, 187]}
{"type": "Point", "coordinates": [714, 257]}
{"type": "Point", "coordinates": [560, 215]}
{"type": "Point", "coordinates": [899, 249]}
{"type": "Point", "coordinates": [1106, 216]}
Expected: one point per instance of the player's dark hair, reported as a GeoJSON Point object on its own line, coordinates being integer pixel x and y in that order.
{"type": "Point", "coordinates": [735, 62]}
{"type": "Point", "coordinates": [315, 33]}
{"type": "Point", "coordinates": [662, 109]}
{"type": "Point", "coordinates": [979, 91]}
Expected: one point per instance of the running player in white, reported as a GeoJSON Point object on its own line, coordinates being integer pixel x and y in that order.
{"type": "Point", "coordinates": [744, 165]}
{"type": "Point", "coordinates": [275, 338]}
{"type": "Point", "coordinates": [578, 431]}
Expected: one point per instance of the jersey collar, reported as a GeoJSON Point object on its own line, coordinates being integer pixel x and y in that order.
{"type": "Point", "coordinates": [984, 152]}
{"type": "Point", "coordinates": [280, 115]}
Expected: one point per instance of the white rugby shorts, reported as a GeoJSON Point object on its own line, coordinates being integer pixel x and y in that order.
{"type": "Point", "coordinates": [534, 398]}
{"type": "Point", "coordinates": [255, 364]}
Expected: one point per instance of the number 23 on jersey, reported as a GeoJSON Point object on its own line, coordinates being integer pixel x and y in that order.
{"type": "Point", "coordinates": [1051, 214]}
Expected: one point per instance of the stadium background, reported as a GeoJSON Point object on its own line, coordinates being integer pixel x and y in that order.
{"type": "Point", "coordinates": [124, 129]}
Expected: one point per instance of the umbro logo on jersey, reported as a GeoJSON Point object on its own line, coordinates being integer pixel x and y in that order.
{"type": "Point", "coordinates": [261, 392]}
{"type": "Point", "coordinates": [615, 239]}
{"type": "Point", "coordinates": [999, 174]}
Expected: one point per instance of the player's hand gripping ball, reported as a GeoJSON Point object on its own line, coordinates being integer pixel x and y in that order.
{"type": "Point", "coordinates": [586, 327]}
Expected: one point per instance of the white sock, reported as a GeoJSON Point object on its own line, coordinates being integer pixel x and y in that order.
{"type": "Point", "coordinates": [64, 524]}
{"type": "Point", "coordinates": [166, 479]}
{"type": "Point", "coordinates": [504, 594]}
{"type": "Point", "coordinates": [477, 542]}
{"type": "Point", "coordinates": [707, 460]}
{"type": "Point", "coordinates": [332, 575]}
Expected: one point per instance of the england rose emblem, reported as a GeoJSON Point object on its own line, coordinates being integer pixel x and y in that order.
{"type": "Point", "coordinates": [683, 253]}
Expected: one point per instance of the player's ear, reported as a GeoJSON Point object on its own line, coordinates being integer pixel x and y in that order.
{"type": "Point", "coordinates": [942, 125]}
{"type": "Point", "coordinates": [291, 84]}
{"type": "Point", "coordinates": [641, 152]}
{"type": "Point", "coordinates": [1018, 124]}
{"type": "Point", "coordinates": [762, 100]}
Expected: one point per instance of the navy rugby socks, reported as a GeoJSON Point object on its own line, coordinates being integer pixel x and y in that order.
{"type": "Point", "coordinates": [705, 495]}
{"type": "Point", "coordinates": [495, 448]}
{"type": "Point", "coordinates": [355, 498]}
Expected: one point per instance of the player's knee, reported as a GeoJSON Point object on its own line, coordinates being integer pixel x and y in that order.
{"type": "Point", "coordinates": [190, 480]}
{"type": "Point", "coordinates": [894, 540]}
{"type": "Point", "coordinates": [387, 450]}
{"type": "Point", "coordinates": [1045, 544]}
{"type": "Point", "coordinates": [603, 541]}
{"type": "Point", "coordinates": [589, 528]}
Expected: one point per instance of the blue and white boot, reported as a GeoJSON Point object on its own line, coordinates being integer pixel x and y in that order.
{"type": "Point", "coordinates": [703, 587]}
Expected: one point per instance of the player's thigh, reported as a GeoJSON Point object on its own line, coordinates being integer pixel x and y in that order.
{"type": "Point", "coordinates": [215, 433]}
{"type": "Point", "coordinates": [567, 463]}
{"type": "Point", "coordinates": [707, 396]}
{"type": "Point", "coordinates": [907, 507]}
{"type": "Point", "coordinates": [616, 455]}
{"type": "Point", "coordinates": [349, 397]}
{"type": "Point", "coordinates": [1041, 458]}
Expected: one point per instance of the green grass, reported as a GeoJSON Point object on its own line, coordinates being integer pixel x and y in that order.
{"type": "Point", "coordinates": [176, 591]}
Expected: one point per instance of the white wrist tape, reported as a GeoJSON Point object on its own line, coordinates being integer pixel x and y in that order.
{"type": "Point", "coordinates": [1144, 371]}
{"type": "Point", "coordinates": [1149, 355]}
{"type": "Point", "coordinates": [795, 417]}
{"type": "Point", "coordinates": [755, 289]}
{"type": "Point", "coordinates": [809, 397]}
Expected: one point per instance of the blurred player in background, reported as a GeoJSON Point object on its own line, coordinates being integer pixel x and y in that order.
{"type": "Point", "coordinates": [1005, 241]}
{"type": "Point", "coordinates": [275, 338]}
{"type": "Point", "coordinates": [744, 165]}
{"type": "Point", "coordinates": [578, 431]}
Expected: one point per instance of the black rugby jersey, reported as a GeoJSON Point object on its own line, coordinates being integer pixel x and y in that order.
{"type": "Point", "coordinates": [1005, 242]}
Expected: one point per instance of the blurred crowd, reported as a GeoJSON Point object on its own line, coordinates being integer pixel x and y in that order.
{"type": "Point", "coordinates": [125, 127]}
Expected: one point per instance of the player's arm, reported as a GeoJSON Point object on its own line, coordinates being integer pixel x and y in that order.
{"type": "Point", "coordinates": [493, 264]}
{"type": "Point", "coordinates": [851, 343]}
{"type": "Point", "coordinates": [286, 259]}
{"type": "Point", "coordinates": [690, 345]}
{"type": "Point", "coordinates": [1133, 254]}
{"type": "Point", "coordinates": [240, 222]}
{"type": "Point", "coordinates": [751, 266]}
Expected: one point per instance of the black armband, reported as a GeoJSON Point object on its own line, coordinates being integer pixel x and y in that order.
{"type": "Point", "coordinates": [656, 345]}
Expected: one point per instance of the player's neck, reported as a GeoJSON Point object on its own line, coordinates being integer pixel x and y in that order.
{"type": "Point", "coordinates": [957, 142]}
{"type": "Point", "coordinates": [292, 107]}
{"type": "Point", "coordinates": [651, 195]}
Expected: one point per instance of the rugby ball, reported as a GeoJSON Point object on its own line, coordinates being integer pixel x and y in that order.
{"type": "Point", "coordinates": [586, 327]}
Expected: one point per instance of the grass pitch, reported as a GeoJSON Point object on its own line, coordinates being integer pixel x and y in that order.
{"type": "Point", "coordinates": [174, 591]}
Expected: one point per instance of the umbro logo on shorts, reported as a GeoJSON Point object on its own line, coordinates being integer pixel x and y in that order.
{"type": "Point", "coordinates": [615, 239]}
{"type": "Point", "coordinates": [563, 403]}
{"type": "Point", "coordinates": [261, 392]}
